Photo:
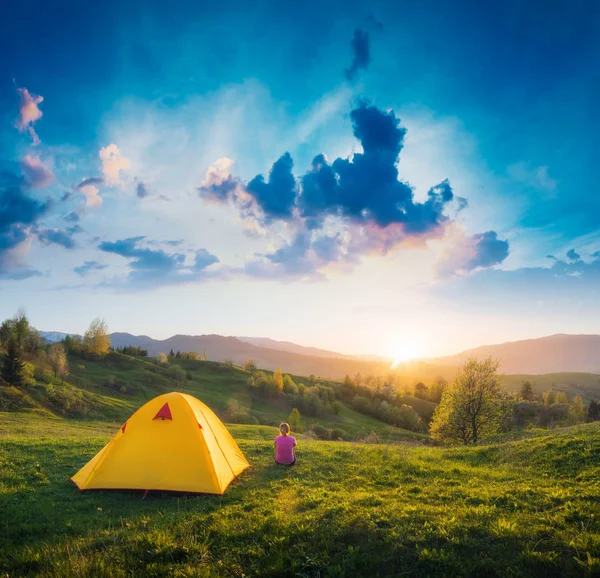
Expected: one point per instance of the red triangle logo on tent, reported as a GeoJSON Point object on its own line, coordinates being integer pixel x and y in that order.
{"type": "Point", "coordinates": [164, 413]}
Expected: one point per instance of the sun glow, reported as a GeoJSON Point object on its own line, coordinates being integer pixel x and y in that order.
{"type": "Point", "coordinates": [404, 351]}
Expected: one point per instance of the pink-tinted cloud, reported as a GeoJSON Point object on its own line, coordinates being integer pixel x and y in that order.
{"type": "Point", "coordinates": [92, 198]}
{"type": "Point", "coordinates": [37, 175]}
{"type": "Point", "coordinates": [113, 162]}
{"type": "Point", "coordinates": [29, 113]}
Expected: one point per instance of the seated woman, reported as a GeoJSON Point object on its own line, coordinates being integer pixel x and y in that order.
{"type": "Point", "coordinates": [284, 447]}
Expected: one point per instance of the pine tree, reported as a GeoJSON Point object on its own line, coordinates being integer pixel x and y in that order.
{"type": "Point", "coordinates": [13, 368]}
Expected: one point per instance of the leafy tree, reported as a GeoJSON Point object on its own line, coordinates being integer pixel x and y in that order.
{"type": "Point", "coordinates": [549, 397]}
{"type": "Point", "coordinates": [421, 390]}
{"type": "Point", "coordinates": [594, 411]}
{"type": "Point", "coordinates": [21, 328]}
{"type": "Point", "coordinates": [57, 356]}
{"type": "Point", "coordinates": [96, 340]}
{"type": "Point", "coordinates": [32, 343]}
{"type": "Point", "coordinates": [162, 357]}
{"type": "Point", "coordinates": [177, 373]}
{"type": "Point", "coordinates": [358, 379]}
{"type": "Point", "coordinates": [337, 407]}
{"type": "Point", "coordinates": [250, 366]}
{"type": "Point", "coordinates": [561, 397]}
{"type": "Point", "coordinates": [577, 410]}
{"type": "Point", "coordinates": [13, 367]}
{"type": "Point", "coordinates": [171, 353]}
{"type": "Point", "coordinates": [259, 382]}
{"type": "Point", "coordinates": [278, 380]}
{"type": "Point", "coordinates": [295, 421]}
{"type": "Point", "coordinates": [473, 407]}
{"type": "Point", "coordinates": [178, 354]}
{"type": "Point", "coordinates": [289, 386]}
{"type": "Point", "coordinates": [437, 388]}
{"type": "Point", "coordinates": [19, 331]}
{"type": "Point", "coordinates": [312, 378]}
{"type": "Point", "coordinates": [527, 391]}
{"type": "Point", "coordinates": [228, 363]}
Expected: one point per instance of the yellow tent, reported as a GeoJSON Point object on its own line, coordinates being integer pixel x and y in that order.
{"type": "Point", "coordinates": [173, 442]}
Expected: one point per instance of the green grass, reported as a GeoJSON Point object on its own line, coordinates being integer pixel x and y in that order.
{"type": "Point", "coordinates": [521, 508]}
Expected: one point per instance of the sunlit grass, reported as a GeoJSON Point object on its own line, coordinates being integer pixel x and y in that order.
{"type": "Point", "coordinates": [521, 508]}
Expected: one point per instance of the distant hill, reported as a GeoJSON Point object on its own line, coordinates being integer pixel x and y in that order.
{"type": "Point", "coordinates": [52, 336]}
{"type": "Point", "coordinates": [314, 351]}
{"type": "Point", "coordinates": [556, 354]}
{"type": "Point", "coordinates": [221, 348]}
{"type": "Point", "coordinates": [291, 347]}
{"type": "Point", "coordinates": [552, 354]}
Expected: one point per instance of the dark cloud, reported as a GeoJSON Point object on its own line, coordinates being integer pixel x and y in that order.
{"type": "Point", "coordinates": [18, 215]}
{"type": "Point", "coordinates": [220, 190]}
{"type": "Point", "coordinates": [361, 55]}
{"type": "Point", "coordinates": [87, 267]}
{"type": "Point", "coordinates": [572, 255]}
{"type": "Point", "coordinates": [277, 196]}
{"type": "Point", "coordinates": [141, 190]}
{"type": "Point", "coordinates": [351, 207]}
{"type": "Point", "coordinates": [64, 238]}
{"type": "Point", "coordinates": [154, 267]}
{"type": "Point", "coordinates": [365, 188]}
{"type": "Point", "coordinates": [489, 250]}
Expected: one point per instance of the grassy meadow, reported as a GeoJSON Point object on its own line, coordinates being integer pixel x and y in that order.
{"type": "Point", "coordinates": [518, 508]}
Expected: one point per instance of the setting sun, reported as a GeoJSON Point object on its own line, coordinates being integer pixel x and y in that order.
{"type": "Point", "coordinates": [405, 350]}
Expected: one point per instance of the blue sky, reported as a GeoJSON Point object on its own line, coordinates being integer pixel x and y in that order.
{"type": "Point", "coordinates": [369, 177]}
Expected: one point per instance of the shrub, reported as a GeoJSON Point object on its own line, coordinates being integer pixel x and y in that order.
{"type": "Point", "coordinates": [320, 431]}
{"type": "Point", "coordinates": [239, 414]}
{"type": "Point", "coordinates": [43, 375]}
{"type": "Point", "coordinates": [68, 400]}
{"type": "Point", "coordinates": [339, 434]}
{"type": "Point", "coordinates": [250, 366]}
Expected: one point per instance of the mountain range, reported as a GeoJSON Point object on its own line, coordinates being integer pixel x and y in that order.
{"type": "Point", "coordinates": [555, 353]}
{"type": "Point", "coordinates": [552, 354]}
